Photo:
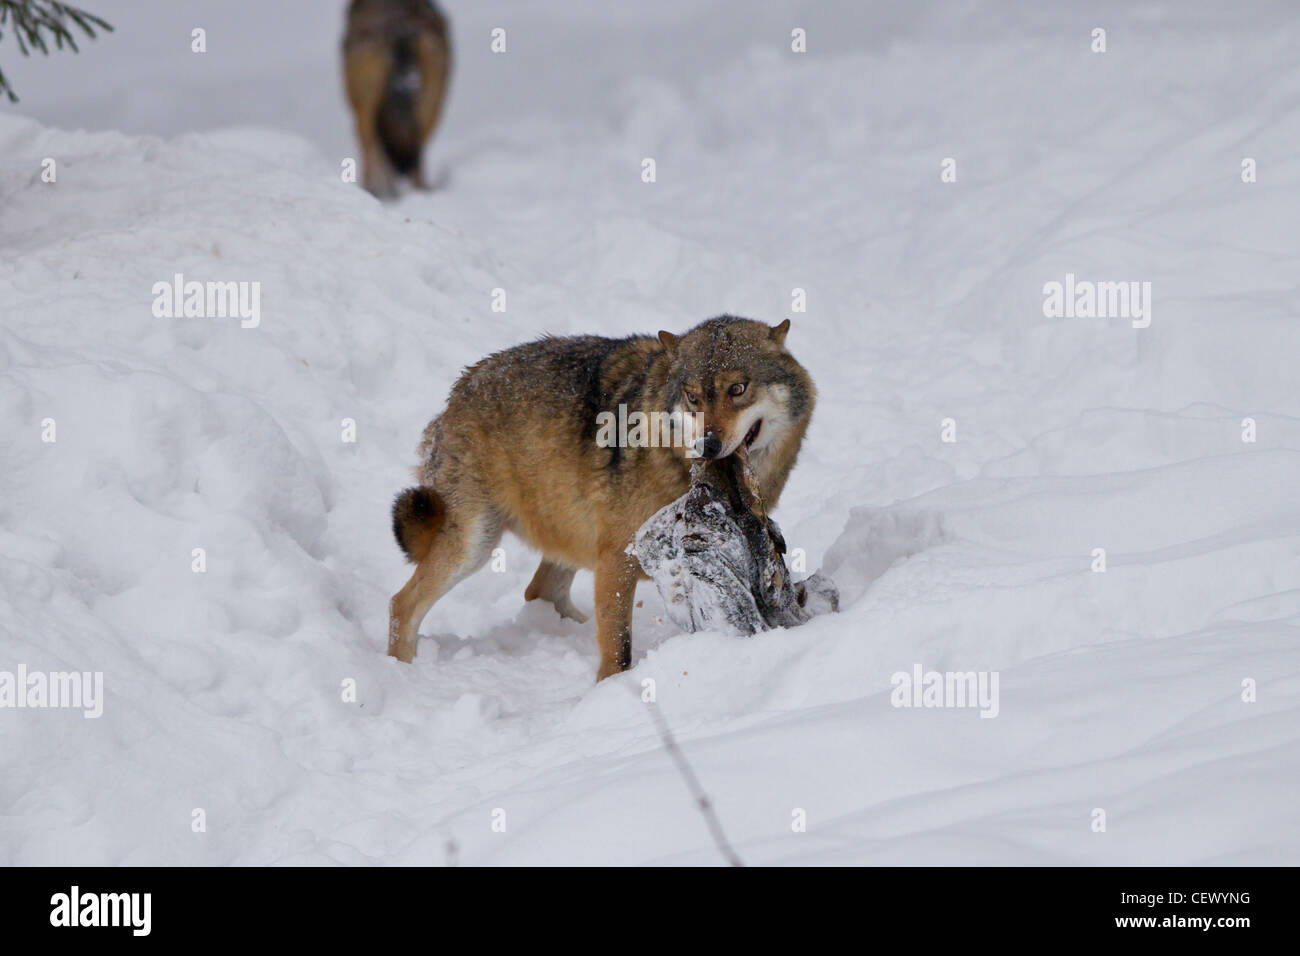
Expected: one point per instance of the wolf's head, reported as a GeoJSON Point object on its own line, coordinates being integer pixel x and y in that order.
{"type": "Point", "coordinates": [733, 381]}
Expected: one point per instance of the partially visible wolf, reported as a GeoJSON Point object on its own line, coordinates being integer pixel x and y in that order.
{"type": "Point", "coordinates": [396, 57]}
{"type": "Point", "coordinates": [517, 449]}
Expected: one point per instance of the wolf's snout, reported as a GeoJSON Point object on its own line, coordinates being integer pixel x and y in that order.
{"type": "Point", "coordinates": [710, 446]}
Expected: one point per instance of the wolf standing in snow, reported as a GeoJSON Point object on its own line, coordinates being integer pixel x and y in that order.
{"type": "Point", "coordinates": [396, 57]}
{"type": "Point", "coordinates": [517, 449]}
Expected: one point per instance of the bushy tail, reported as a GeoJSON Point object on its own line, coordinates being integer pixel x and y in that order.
{"type": "Point", "coordinates": [398, 126]}
{"type": "Point", "coordinates": [417, 516]}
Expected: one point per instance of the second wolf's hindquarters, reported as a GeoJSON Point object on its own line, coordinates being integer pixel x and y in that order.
{"type": "Point", "coordinates": [397, 57]}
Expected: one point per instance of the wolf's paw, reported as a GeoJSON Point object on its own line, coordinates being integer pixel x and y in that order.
{"type": "Point", "coordinates": [570, 610]}
{"type": "Point", "coordinates": [403, 652]}
{"type": "Point", "coordinates": [609, 670]}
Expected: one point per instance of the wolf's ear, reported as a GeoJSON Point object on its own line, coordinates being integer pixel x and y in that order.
{"type": "Point", "coordinates": [777, 333]}
{"type": "Point", "coordinates": [669, 340]}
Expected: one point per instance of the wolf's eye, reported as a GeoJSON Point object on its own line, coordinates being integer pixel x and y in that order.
{"type": "Point", "coordinates": [692, 398]}
{"type": "Point", "coordinates": [737, 390]}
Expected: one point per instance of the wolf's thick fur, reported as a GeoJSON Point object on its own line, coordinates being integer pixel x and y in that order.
{"type": "Point", "coordinates": [516, 449]}
{"type": "Point", "coordinates": [396, 58]}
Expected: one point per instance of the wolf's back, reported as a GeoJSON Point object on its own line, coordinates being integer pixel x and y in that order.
{"type": "Point", "coordinates": [571, 378]}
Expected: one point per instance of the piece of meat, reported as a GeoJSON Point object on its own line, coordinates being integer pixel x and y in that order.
{"type": "Point", "coordinates": [716, 557]}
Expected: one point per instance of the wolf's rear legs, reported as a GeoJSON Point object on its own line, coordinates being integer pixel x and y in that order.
{"type": "Point", "coordinates": [417, 178]}
{"type": "Point", "coordinates": [377, 175]}
{"type": "Point", "coordinates": [460, 548]}
{"type": "Point", "coordinates": [367, 66]}
{"type": "Point", "coordinates": [552, 583]}
{"type": "Point", "coordinates": [615, 592]}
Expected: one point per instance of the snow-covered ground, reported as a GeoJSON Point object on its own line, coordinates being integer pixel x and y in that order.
{"type": "Point", "coordinates": [1119, 691]}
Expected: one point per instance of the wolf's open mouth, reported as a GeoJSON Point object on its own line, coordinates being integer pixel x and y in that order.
{"type": "Point", "coordinates": [752, 435]}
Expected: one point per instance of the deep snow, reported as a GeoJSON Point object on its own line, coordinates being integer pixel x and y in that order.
{"type": "Point", "coordinates": [1119, 690]}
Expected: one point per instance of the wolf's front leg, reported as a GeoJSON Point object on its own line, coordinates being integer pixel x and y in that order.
{"type": "Point", "coordinates": [615, 592]}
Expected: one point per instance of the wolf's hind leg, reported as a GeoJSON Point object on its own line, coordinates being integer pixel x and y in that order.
{"type": "Point", "coordinates": [366, 72]}
{"type": "Point", "coordinates": [551, 583]}
{"type": "Point", "coordinates": [460, 547]}
{"type": "Point", "coordinates": [378, 175]}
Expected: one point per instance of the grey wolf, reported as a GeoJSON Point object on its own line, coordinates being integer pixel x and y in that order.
{"type": "Point", "coordinates": [516, 450]}
{"type": "Point", "coordinates": [396, 59]}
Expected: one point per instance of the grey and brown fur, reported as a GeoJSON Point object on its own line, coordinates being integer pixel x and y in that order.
{"type": "Point", "coordinates": [516, 449]}
{"type": "Point", "coordinates": [396, 60]}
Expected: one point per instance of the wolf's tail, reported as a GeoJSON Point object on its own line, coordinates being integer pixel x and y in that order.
{"type": "Point", "coordinates": [397, 123]}
{"type": "Point", "coordinates": [418, 514]}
